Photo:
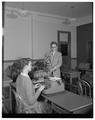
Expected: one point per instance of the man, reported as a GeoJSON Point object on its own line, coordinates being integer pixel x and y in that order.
{"type": "Point", "coordinates": [55, 59]}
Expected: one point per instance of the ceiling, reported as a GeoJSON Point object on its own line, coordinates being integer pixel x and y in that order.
{"type": "Point", "coordinates": [67, 9]}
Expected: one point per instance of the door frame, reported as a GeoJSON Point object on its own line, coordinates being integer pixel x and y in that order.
{"type": "Point", "coordinates": [67, 42]}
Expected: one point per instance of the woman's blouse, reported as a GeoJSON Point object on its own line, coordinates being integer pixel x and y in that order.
{"type": "Point", "coordinates": [25, 88]}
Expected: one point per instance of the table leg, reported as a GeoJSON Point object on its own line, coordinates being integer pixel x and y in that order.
{"type": "Point", "coordinates": [10, 100]}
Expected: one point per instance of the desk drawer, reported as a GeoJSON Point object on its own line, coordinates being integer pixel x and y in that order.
{"type": "Point", "coordinates": [6, 91]}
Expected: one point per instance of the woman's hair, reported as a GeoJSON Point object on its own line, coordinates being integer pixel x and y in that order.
{"type": "Point", "coordinates": [16, 68]}
{"type": "Point", "coordinates": [53, 42]}
{"type": "Point", "coordinates": [23, 62]}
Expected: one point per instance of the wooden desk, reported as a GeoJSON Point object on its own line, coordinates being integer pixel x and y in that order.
{"type": "Point", "coordinates": [6, 83]}
{"type": "Point", "coordinates": [71, 79]}
{"type": "Point", "coordinates": [68, 102]}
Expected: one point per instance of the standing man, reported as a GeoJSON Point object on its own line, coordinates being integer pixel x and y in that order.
{"type": "Point", "coordinates": [55, 59]}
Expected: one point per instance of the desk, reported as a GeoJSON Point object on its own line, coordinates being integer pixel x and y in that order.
{"type": "Point", "coordinates": [71, 79]}
{"type": "Point", "coordinates": [7, 97]}
{"type": "Point", "coordinates": [68, 102]}
{"type": "Point", "coordinates": [72, 74]}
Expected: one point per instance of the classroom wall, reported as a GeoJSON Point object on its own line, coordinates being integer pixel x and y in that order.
{"type": "Point", "coordinates": [17, 37]}
{"type": "Point", "coordinates": [45, 31]}
{"type": "Point", "coordinates": [31, 36]}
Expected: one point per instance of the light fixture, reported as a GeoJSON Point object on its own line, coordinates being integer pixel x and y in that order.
{"type": "Point", "coordinates": [23, 12]}
{"type": "Point", "coordinates": [68, 21]}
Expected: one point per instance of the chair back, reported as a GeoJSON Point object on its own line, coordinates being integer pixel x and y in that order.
{"type": "Point", "coordinates": [88, 76]}
{"type": "Point", "coordinates": [84, 66]}
{"type": "Point", "coordinates": [85, 88]}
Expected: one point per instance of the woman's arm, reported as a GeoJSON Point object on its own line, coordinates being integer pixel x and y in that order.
{"type": "Point", "coordinates": [30, 92]}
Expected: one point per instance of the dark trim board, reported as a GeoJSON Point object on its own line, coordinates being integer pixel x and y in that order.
{"type": "Point", "coordinates": [73, 58]}
{"type": "Point", "coordinates": [8, 61]}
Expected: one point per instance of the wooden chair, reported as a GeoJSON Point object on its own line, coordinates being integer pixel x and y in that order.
{"type": "Point", "coordinates": [85, 88]}
{"type": "Point", "coordinates": [21, 106]}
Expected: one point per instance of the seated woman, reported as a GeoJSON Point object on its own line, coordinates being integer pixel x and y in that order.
{"type": "Point", "coordinates": [25, 87]}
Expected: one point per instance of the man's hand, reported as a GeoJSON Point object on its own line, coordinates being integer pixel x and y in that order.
{"type": "Point", "coordinates": [37, 85]}
{"type": "Point", "coordinates": [42, 87]}
{"type": "Point", "coordinates": [52, 69]}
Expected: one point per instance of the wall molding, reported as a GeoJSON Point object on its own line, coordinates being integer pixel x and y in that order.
{"type": "Point", "coordinates": [45, 17]}
{"type": "Point", "coordinates": [73, 58]}
{"type": "Point", "coordinates": [9, 61]}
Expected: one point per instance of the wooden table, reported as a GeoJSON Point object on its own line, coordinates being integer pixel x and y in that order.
{"type": "Point", "coordinates": [68, 103]}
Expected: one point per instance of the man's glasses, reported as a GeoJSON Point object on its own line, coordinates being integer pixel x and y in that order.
{"type": "Point", "coordinates": [54, 47]}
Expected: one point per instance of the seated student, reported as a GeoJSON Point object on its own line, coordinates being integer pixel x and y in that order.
{"type": "Point", "coordinates": [25, 87]}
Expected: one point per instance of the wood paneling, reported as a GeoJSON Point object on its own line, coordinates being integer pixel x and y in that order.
{"type": "Point", "coordinates": [84, 35]}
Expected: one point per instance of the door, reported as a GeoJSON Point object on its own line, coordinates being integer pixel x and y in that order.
{"type": "Point", "coordinates": [64, 46]}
